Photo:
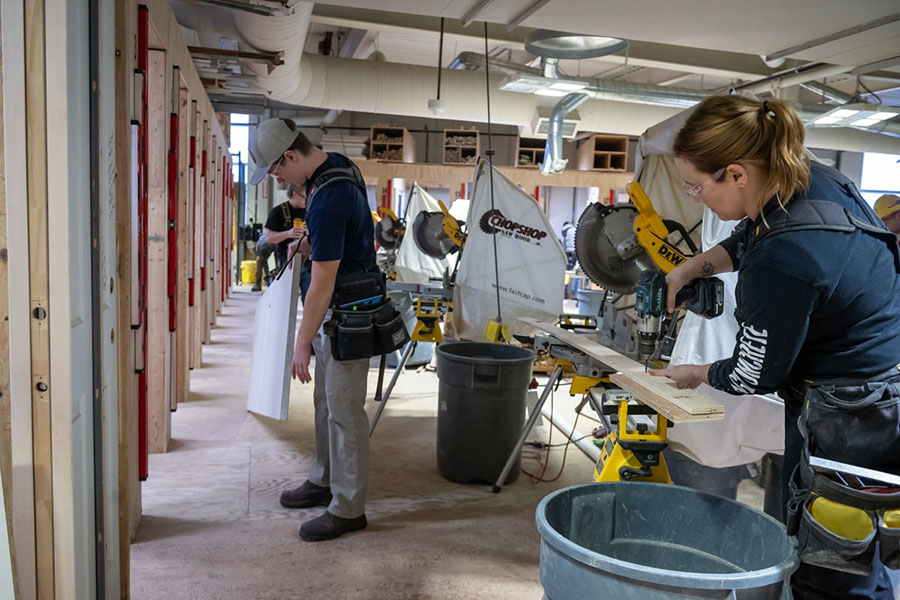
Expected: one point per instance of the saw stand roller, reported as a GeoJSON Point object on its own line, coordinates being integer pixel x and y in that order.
{"type": "Point", "coordinates": [626, 454]}
{"type": "Point", "coordinates": [428, 314]}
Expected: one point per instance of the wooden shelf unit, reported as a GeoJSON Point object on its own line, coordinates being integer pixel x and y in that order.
{"type": "Point", "coordinates": [603, 152]}
{"type": "Point", "coordinates": [391, 144]}
{"type": "Point", "coordinates": [530, 152]}
{"type": "Point", "coordinates": [461, 146]}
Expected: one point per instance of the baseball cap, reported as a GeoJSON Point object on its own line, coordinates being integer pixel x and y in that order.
{"type": "Point", "coordinates": [887, 205]}
{"type": "Point", "coordinates": [268, 142]}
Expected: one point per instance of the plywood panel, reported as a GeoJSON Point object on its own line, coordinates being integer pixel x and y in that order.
{"type": "Point", "coordinates": [36, 151]}
{"type": "Point", "coordinates": [197, 213]}
{"type": "Point", "coordinates": [129, 490]}
{"type": "Point", "coordinates": [158, 413]}
{"type": "Point", "coordinates": [5, 405]}
{"type": "Point", "coordinates": [657, 392]}
{"type": "Point", "coordinates": [182, 334]}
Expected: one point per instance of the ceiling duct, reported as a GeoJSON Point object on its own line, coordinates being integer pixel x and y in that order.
{"type": "Point", "coordinates": [553, 160]}
{"type": "Point", "coordinates": [568, 125]}
{"type": "Point", "coordinates": [399, 89]}
{"type": "Point", "coordinates": [552, 46]}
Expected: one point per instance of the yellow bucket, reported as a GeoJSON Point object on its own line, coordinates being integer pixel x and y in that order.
{"type": "Point", "coordinates": [248, 271]}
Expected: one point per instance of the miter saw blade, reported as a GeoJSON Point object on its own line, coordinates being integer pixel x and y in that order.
{"type": "Point", "coordinates": [430, 237]}
{"type": "Point", "coordinates": [386, 233]}
{"type": "Point", "coordinates": [601, 234]}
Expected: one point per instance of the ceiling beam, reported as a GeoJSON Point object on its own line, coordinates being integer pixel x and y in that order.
{"type": "Point", "coordinates": [476, 10]}
{"type": "Point", "coordinates": [820, 41]}
{"type": "Point", "coordinates": [728, 65]}
{"type": "Point", "coordinates": [519, 18]}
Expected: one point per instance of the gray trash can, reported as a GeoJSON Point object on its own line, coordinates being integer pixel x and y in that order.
{"type": "Point", "coordinates": [481, 408]}
{"type": "Point", "coordinates": [651, 541]}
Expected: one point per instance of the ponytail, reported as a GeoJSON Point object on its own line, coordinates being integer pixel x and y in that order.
{"type": "Point", "coordinates": [735, 129]}
{"type": "Point", "coordinates": [788, 159]}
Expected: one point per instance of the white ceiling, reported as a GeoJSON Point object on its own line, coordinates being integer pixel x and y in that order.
{"type": "Point", "coordinates": [752, 27]}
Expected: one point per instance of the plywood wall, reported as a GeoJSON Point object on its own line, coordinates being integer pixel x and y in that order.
{"type": "Point", "coordinates": [196, 119]}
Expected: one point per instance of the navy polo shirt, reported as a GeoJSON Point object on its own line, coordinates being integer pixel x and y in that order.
{"type": "Point", "coordinates": [339, 221]}
{"type": "Point", "coordinates": [812, 305]}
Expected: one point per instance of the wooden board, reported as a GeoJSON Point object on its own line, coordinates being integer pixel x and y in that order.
{"type": "Point", "coordinates": [657, 392]}
{"type": "Point", "coordinates": [159, 416]}
{"type": "Point", "coordinates": [273, 343]}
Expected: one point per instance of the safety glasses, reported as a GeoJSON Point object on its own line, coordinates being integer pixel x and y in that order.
{"type": "Point", "coordinates": [696, 191]}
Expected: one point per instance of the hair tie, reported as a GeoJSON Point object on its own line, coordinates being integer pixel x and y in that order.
{"type": "Point", "coordinates": [765, 108]}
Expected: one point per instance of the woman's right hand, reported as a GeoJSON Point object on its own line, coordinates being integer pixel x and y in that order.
{"type": "Point", "coordinates": [675, 280]}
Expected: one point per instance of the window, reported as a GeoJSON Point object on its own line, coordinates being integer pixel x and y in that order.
{"type": "Point", "coordinates": [880, 175]}
{"type": "Point", "coordinates": [240, 132]}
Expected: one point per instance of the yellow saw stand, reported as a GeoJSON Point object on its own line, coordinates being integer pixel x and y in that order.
{"type": "Point", "coordinates": [633, 453]}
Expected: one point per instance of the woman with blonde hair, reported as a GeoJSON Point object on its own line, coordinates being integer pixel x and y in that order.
{"type": "Point", "coordinates": [818, 308]}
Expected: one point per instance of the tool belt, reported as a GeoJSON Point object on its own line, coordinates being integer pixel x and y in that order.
{"type": "Point", "coordinates": [364, 321]}
{"type": "Point", "coordinates": [838, 518]}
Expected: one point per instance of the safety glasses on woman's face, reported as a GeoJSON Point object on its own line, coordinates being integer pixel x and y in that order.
{"type": "Point", "coordinates": [696, 191]}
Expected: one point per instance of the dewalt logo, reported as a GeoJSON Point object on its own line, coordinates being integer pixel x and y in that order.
{"type": "Point", "coordinates": [671, 255]}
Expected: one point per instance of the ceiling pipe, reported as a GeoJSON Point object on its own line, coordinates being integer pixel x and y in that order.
{"type": "Point", "coordinates": [826, 92]}
{"type": "Point", "coordinates": [553, 160]}
{"type": "Point", "coordinates": [791, 77]}
{"type": "Point", "coordinates": [601, 89]}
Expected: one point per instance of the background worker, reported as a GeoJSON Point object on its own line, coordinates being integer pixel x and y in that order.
{"type": "Point", "coordinates": [887, 207]}
{"type": "Point", "coordinates": [264, 250]}
{"type": "Point", "coordinates": [814, 306]}
{"type": "Point", "coordinates": [342, 243]}
{"type": "Point", "coordinates": [279, 228]}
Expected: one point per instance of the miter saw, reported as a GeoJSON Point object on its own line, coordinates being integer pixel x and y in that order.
{"type": "Point", "coordinates": [389, 230]}
{"type": "Point", "coordinates": [438, 233]}
{"type": "Point", "coordinates": [626, 249]}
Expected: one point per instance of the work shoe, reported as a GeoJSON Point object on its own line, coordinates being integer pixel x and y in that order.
{"type": "Point", "coordinates": [328, 526]}
{"type": "Point", "coordinates": [256, 288]}
{"type": "Point", "coordinates": [306, 495]}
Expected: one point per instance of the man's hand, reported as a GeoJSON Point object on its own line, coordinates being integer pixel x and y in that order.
{"type": "Point", "coordinates": [290, 253]}
{"type": "Point", "coordinates": [296, 233]}
{"type": "Point", "coordinates": [684, 376]}
{"type": "Point", "coordinates": [300, 364]}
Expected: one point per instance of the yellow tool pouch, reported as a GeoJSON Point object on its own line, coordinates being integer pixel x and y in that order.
{"type": "Point", "coordinates": [840, 519]}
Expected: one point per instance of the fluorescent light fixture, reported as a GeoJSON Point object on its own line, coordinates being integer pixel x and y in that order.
{"type": "Point", "coordinates": [857, 114]}
{"type": "Point", "coordinates": [568, 86]}
{"type": "Point", "coordinates": [535, 84]}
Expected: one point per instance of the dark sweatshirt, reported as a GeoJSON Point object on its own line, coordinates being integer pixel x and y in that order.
{"type": "Point", "coordinates": [811, 305]}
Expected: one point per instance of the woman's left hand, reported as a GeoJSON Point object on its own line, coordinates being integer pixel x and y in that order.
{"type": "Point", "coordinates": [684, 376]}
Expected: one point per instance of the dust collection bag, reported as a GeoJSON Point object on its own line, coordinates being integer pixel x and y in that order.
{"type": "Point", "coordinates": [531, 261]}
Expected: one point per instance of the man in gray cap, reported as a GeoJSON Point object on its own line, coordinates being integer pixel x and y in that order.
{"type": "Point", "coordinates": [342, 243]}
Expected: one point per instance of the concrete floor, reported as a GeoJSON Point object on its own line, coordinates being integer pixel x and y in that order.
{"type": "Point", "coordinates": [212, 526]}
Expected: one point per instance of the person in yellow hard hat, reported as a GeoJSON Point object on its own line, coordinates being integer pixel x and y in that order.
{"type": "Point", "coordinates": [888, 210]}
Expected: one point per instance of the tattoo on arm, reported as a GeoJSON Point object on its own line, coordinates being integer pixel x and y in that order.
{"type": "Point", "coordinates": [707, 269]}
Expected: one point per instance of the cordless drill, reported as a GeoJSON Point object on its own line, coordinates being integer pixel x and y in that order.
{"type": "Point", "coordinates": [704, 296]}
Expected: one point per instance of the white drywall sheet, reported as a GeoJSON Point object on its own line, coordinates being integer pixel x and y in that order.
{"type": "Point", "coordinates": [273, 346]}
